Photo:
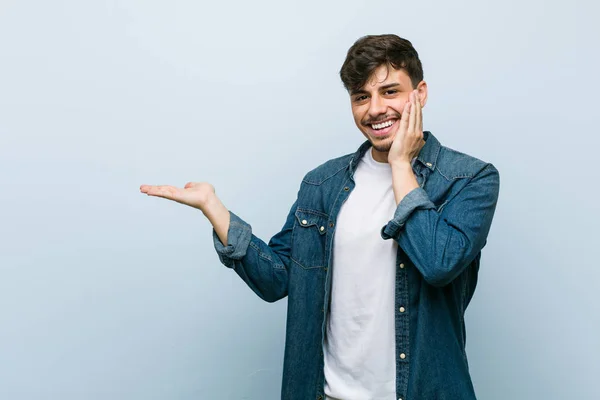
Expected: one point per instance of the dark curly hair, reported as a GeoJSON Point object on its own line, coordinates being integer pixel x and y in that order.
{"type": "Point", "coordinates": [369, 52]}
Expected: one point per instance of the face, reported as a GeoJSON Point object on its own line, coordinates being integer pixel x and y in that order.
{"type": "Point", "coordinates": [377, 106]}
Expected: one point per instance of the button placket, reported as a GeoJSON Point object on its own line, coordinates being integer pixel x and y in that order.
{"type": "Point", "coordinates": [401, 309]}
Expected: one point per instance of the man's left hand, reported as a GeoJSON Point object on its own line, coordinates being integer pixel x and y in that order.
{"type": "Point", "coordinates": [409, 137]}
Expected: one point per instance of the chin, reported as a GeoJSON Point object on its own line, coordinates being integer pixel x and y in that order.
{"type": "Point", "coordinates": [383, 147]}
{"type": "Point", "coordinates": [382, 144]}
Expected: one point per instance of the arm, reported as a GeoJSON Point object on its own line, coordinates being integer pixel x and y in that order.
{"type": "Point", "coordinates": [263, 267]}
{"type": "Point", "coordinates": [441, 245]}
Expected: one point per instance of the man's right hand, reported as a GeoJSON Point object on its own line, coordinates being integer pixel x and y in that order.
{"type": "Point", "coordinates": [200, 195]}
{"type": "Point", "coordinates": [193, 194]}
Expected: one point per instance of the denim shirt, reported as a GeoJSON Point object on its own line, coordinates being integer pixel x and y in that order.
{"type": "Point", "coordinates": [440, 227]}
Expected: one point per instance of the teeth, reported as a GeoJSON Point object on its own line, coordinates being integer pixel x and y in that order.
{"type": "Point", "coordinates": [382, 125]}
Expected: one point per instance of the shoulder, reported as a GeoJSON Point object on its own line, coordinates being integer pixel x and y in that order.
{"type": "Point", "coordinates": [327, 170]}
{"type": "Point", "coordinates": [453, 164]}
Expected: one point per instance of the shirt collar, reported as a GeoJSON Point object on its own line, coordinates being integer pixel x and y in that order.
{"type": "Point", "coordinates": [429, 153]}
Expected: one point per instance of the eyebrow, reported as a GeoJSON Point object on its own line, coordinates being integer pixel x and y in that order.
{"type": "Point", "coordinates": [384, 87]}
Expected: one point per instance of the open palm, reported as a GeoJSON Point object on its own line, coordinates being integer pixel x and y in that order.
{"type": "Point", "coordinates": [193, 194]}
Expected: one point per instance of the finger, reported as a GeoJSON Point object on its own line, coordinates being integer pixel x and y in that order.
{"type": "Point", "coordinates": [419, 115]}
{"type": "Point", "coordinates": [148, 188]}
{"type": "Point", "coordinates": [405, 117]}
{"type": "Point", "coordinates": [164, 191]}
{"type": "Point", "coordinates": [188, 185]}
{"type": "Point", "coordinates": [413, 110]}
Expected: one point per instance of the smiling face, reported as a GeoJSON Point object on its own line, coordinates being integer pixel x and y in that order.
{"type": "Point", "coordinates": [377, 106]}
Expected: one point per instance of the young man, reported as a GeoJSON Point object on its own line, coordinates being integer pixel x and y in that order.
{"type": "Point", "coordinates": [379, 254]}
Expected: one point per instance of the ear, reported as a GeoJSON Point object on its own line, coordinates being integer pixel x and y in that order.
{"type": "Point", "coordinates": [422, 92]}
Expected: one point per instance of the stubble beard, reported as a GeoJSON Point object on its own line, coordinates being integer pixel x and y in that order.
{"type": "Point", "coordinates": [383, 145]}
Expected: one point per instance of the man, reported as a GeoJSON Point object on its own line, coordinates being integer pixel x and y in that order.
{"type": "Point", "coordinates": [380, 252]}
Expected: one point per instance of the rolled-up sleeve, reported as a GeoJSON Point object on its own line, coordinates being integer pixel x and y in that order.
{"type": "Point", "coordinates": [442, 244]}
{"type": "Point", "coordinates": [263, 266]}
{"type": "Point", "coordinates": [416, 199]}
{"type": "Point", "coordinates": [238, 239]}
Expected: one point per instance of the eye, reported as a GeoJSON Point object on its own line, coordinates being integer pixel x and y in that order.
{"type": "Point", "coordinates": [360, 98]}
{"type": "Point", "coordinates": [391, 91]}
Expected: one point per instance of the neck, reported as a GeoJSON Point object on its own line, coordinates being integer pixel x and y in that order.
{"type": "Point", "coordinates": [379, 156]}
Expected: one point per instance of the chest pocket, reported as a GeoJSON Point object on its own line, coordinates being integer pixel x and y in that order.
{"type": "Point", "coordinates": [308, 239]}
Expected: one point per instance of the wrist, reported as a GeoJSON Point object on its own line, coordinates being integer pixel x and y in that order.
{"type": "Point", "coordinates": [210, 205]}
{"type": "Point", "coordinates": [401, 165]}
{"type": "Point", "coordinates": [218, 215]}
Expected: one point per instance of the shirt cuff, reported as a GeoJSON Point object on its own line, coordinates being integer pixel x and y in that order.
{"type": "Point", "coordinates": [415, 199]}
{"type": "Point", "coordinates": [239, 234]}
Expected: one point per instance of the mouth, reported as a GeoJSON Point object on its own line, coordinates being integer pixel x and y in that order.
{"type": "Point", "coordinates": [382, 128]}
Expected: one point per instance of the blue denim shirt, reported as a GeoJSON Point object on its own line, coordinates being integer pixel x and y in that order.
{"type": "Point", "coordinates": [440, 228]}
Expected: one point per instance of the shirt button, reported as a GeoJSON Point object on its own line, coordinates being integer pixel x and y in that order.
{"type": "Point", "coordinates": [402, 309]}
{"type": "Point", "coordinates": [402, 356]}
{"type": "Point", "coordinates": [346, 188]}
{"type": "Point", "coordinates": [401, 265]}
{"type": "Point", "coordinates": [304, 222]}
{"type": "Point", "coordinates": [322, 228]}
{"type": "Point", "coordinates": [429, 164]}
{"type": "Point", "coordinates": [331, 225]}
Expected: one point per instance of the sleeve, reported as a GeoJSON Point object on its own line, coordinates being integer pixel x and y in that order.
{"type": "Point", "coordinates": [442, 244]}
{"type": "Point", "coordinates": [264, 267]}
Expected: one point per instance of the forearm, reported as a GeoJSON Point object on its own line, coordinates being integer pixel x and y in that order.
{"type": "Point", "coordinates": [442, 243]}
{"type": "Point", "coordinates": [403, 180]}
{"type": "Point", "coordinates": [219, 217]}
{"type": "Point", "coordinates": [264, 267]}
{"type": "Point", "coordinates": [439, 249]}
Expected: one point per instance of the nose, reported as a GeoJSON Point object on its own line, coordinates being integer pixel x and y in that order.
{"type": "Point", "coordinates": [377, 106]}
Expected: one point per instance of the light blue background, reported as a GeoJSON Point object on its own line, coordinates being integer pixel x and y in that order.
{"type": "Point", "coordinates": [108, 294]}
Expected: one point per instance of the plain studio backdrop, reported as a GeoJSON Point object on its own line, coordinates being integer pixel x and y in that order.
{"type": "Point", "coordinates": [106, 293]}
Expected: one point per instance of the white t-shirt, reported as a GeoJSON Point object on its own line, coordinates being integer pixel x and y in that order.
{"type": "Point", "coordinates": [359, 347]}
